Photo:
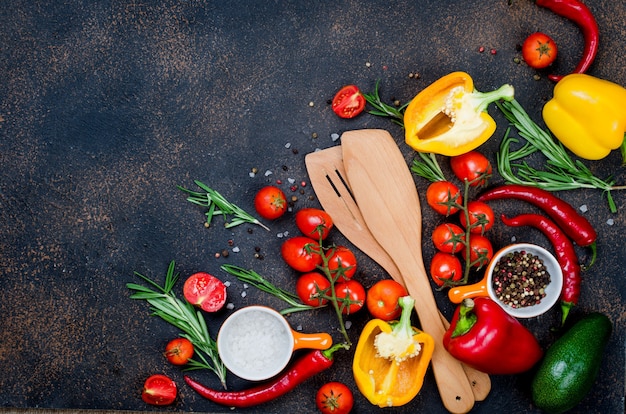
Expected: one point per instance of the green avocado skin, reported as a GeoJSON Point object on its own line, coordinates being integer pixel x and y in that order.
{"type": "Point", "coordinates": [570, 366]}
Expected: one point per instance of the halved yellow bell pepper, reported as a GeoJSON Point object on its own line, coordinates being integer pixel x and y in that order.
{"type": "Point", "coordinates": [391, 359]}
{"type": "Point", "coordinates": [449, 117]}
{"type": "Point", "coordinates": [588, 115]}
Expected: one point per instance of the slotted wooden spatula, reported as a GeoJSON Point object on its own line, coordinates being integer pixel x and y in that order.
{"type": "Point", "coordinates": [387, 198]}
{"type": "Point", "coordinates": [328, 178]}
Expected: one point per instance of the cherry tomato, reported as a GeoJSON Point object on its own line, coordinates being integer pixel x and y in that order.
{"type": "Point", "coordinates": [310, 288]}
{"type": "Point", "coordinates": [179, 351]}
{"type": "Point", "coordinates": [473, 167]}
{"type": "Point", "coordinates": [448, 238]}
{"type": "Point", "coordinates": [270, 202]}
{"type": "Point", "coordinates": [382, 299]}
{"type": "Point", "coordinates": [351, 296]}
{"type": "Point", "coordinates": [348, 102]}
{"type": "Point", "coordinates": [301, 253]}
{"type": "Point", "coordinates": [444, 197]}
{"type": "Point", "coordinates": [481, 217]}
{"type": "Point", "coordinates": [445, 267]}
{"type": "Point", "coordinates": [334, 398]}
{"type": "Point", "coordinates": [205, 291]}
{"type": "Point", "coordinates": [159, 390]}
{"type": "Point", "coordinates": [481, 250]}
{"type": "Point", "coordinates": [314, 222]}
{"type": "Point", "coordinates": [341, 263]}
{"type": "Point", "coordinates": [539, 50]}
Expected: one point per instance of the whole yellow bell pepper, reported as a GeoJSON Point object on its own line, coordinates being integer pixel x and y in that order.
{"type": "Point", "coordinates": [588, 115]}
{"type": "Point", "coordinates": [449, 117]}
{"type": "Point", "coordinates": [391, 359]}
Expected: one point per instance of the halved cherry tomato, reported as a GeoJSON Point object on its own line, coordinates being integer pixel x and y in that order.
{"type": "Point", "coordinates": [351, 296]}
{"type": "Point", "coordinates": [179, 351]}
{"type": "Point", "coordinates": [448, 238]}
{"type": "Point", "coordinates": [444, 197]}
{"type": "Point", "coordinates": [334, 398]}
{"type": "Point", "coordinates": [159, 390]}
{"type": "Point", "coordinates": [473, 167]}
{"type": "Point", "coordinates": [341, 263]}
{"type": "Point", "coordinates": [205, 291]}
{"type": "Point", "coordinates": [481, 250]}
{"type": "Point", "coordinates": [539, 50]}
{"type": "Point", "coordinates": [481, 217]}
{"type": "Point", "coordinates": [301, 253]}
{"type": "Point", "coordinates": [311, 287]}
{"type": "Point", "coordinates": [382, 299]}
{"type": "Point", "coordinates": [445, 267]}
{"type": "Point", "coordinates": [314, 222]}
{"type": "Point", "coordinates": [270, 202]}
{"type": "Point", "coordinates": [348, 102]}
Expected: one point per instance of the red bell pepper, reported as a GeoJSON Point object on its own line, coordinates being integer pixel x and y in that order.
{"type": "Point", "coordinates": [485, 337]}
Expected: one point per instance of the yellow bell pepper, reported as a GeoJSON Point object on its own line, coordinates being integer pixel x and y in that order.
{"type": "Point", "coordinates": [588, 115]}
{"type": "Point", "coordinates": [391, 359]}
{"type": "Point", "coordinates": [450, 117]}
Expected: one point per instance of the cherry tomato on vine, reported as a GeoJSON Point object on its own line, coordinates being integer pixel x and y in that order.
{"type": "Point", "coordinates": [311, 287]}
{"type": "Point", "coordinates": [539, 50]}
{"type": "Point", "coordinates": [270, 202]}
{"type": "Point", "coordinates": [481, 250]}
{"type": "Point", "coordinates": [445, 267]}
{"type": "Point", "coordinates": [382, 299]}
{"type": "Point", "coordinates": [481, 217]}
{"type": "Point", "coordinates": [444, 197]}
{"type": "Point", "coordinates": [179, 351]}
{"type": "Point", "coordinates": [448, 238]}
{"type": "Point", "coordinates": [159, 390]}
{"type": "Point", "coordinates": [301, 253]}
{"type": "Point", "coordinates": [334, 398]}
{"type": "Point", "coordinates": [473, 167]}
{"type": "Point", "coordinates": [205, 291]}
{"type": "Point", "coordinates": [313, 221]}
{"type": "Point", "coordinates": [348, 102]}
{"type": "Point", "coordinates": [341, 263]}
{"type": "Point", "coordinates": [351, 296]}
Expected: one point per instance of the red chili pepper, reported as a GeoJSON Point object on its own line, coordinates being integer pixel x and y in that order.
{"type": "Point", "coordinates": [304, 368]}
{"type": "Point", "coordinates": [565, 254]}
{"type": "Point", "coordinates": [485, 337]}
{"type": "Point", "coordinates": [580, 14]}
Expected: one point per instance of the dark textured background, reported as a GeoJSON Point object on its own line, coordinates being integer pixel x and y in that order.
{"type": "Point", "coordinates": [106, 106]}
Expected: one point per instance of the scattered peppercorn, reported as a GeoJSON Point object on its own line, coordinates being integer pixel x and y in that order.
{"type": "Point", "coordinates": [481, 49]}
{"type": "Point", "coordinates": [225, 253]}
{"type": "Point", "coordinates": [294, 151]}
{"type": "Point", "coordinates": [519, 279]}
{"type": "Point", "coordinates": [493, 51]}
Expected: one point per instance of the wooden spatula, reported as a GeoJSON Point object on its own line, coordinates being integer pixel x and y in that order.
{"type": "Point", "coordinates": [387, 198]}
{"type": "Point", "coordinates": [329, 181]}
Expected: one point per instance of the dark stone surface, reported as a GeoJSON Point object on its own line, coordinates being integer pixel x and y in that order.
{"type": "Point", "coordinates": [107, 106]}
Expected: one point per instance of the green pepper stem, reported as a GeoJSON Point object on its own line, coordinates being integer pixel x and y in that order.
{"type": "Point", "coordinates": [329, 353]}
{"type": "Point", "coordinates": [467, 318]}
{"type": "Point", "coordinates": [481, 100]}
{"type": "Point", "coordinates": [403, 327]}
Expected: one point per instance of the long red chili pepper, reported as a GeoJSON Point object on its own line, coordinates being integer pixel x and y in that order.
{"type": "Point", "coordinates": [580, 14]}
{"type": "Point", "coordinates": [565, 254]}
{"type": "Point", "coordinates": [304, 368]}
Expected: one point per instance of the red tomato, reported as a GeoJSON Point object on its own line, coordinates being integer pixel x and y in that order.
{"type": "Point", "coordinates": [310, 288]}
{"type": "Point", "coordinates": [481, 251]}
{"type": "Point", "coordinates": [351, 296]}
{"type": "Point", "coordinates": [205, 291]}
{"type": "Point", "coordinates": [341, 263]}
{"type": "Point", "coordinates": [334, 398]}
{"type": "Point", "coordinates": [301, 253]}
{"type": "Point", "coordinates": [473, 167]}
{"type": "Point", "coordinates": [270, 202]}
{"type": "Point", "coordinates": [481, 217]}
{"type": "Point", "coordinates": [448, 238]}
{"type": "Point", "coordinates": [444, 197]}
{"type": "Point", "coordinates": [179, 351]}
{"type": "Point", "coordinates": [348, 102]}
{"type": "Point", "coordinates": [539, 50]}
{"type": "Point", "coordinates": [382, 299]}
{"type": "Point", "coordinates": [445, 267]}
{"type": "Point", "coordinates": [314, 222]}
{"type": "Point", "coordinates": [159, 390]}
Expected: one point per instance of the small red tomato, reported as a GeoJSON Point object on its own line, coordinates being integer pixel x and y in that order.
{"type": "Point", "coordinates": [179, 351]}
{"type": "Point", "coordinates": [270, 202]}
{"type": "Point", "coordinates": [205, 291]}
{"type": "Point", "coordinates": [382, 299]}
{"type": "Point", "coordinates": [448, 238]}
{"type": "Point", "coordinates": [341, 263]}
{"type": "Point", "coordinates": [314, 222]}
{"type": "Point", "coordinates": [481, 251]}
{"type": "Point", "coordinates": [351, 296]}
{"type": "Point", "coordinates": [301, 253]}
{"type": "Point", "coordinates": [481, 217]}
{"type": "Point", "coordinates": [444, 197]}
{"type": "Point", "coordinates": [473, 167]}
{"type": "Point", "coordinates": [539, 50]}
{"type": "Point", "coordinates": [348, 102]}
{"type": "Point", "coordinates": [445, 267]}
{"type": "Point", "coordinates": [311, 287]}
{"type": "Point", "coordinates": [334, 398]}
{"type": "Point", "coordinates": [159, 390]}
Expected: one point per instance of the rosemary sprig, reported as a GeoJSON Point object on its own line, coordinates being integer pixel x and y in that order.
{"type": "Point", "coordinates": [184, 316]}
{"type": "Point", "coordinates": [428, 167]}
{"type": "Point", "coordinates": [385, 110]}
{"type": "Point", "coordinates": [561, 171]}
{"type": "Point", "coordinates": [217, 205]}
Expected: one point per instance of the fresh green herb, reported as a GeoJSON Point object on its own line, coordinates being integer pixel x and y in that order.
{"type": "Point", "coordinates": [428, 167]}
{"type": "Point", "coordinates": [396, 113]}
{"type": "Point", "coordinates": [217, 205]}
{"type": "Point", "coordinates": [184, 316]}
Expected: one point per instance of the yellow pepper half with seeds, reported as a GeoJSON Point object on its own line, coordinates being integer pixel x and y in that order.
{"type": "Point", "coordinates": [391, 359]}
{"type": "Point", "coordinates": [449, 117]}
{"type": "Point", "coordinates": [588, 115]}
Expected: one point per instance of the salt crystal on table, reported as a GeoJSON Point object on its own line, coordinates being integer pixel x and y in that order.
{"type": "Point", "coordinates": [268, 172]}
{"type": "Point", "coordinates": [288, 145]}
{"type": "Point", "coordinates": [583, 208]}
{"type": "Point", "coordinates": [610, 222]}
{"type": "Point", "coordinates": [236, 249]}
{"type": "Point", "coordinates": [291, 180]}
{"type": "Point", "coordinates": [230, 306]}
{"type": "Point", "coordinates": [227, 283]}
{"type": "Point", "coordinates": [334, 136]}
{"type": "Point", "coordinates": [348, 324]}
